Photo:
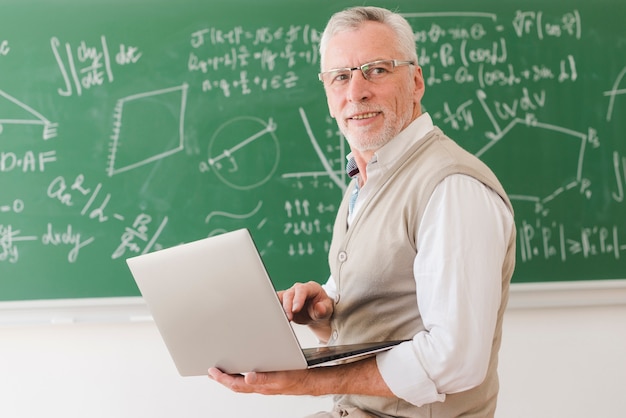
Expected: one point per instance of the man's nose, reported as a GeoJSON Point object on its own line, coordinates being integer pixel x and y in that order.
{"type": "Point", "coordinates": [358, 87]}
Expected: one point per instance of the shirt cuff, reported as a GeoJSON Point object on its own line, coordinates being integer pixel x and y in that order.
{"type": "Point", "coordinates": [406, 378]}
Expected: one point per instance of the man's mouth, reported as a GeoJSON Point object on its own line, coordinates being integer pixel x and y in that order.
{"type": "Point", "coordinates": [365, 116]}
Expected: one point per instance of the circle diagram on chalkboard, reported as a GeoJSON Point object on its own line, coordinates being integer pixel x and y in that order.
{"type": "Point", "coordinates": [244, 152]}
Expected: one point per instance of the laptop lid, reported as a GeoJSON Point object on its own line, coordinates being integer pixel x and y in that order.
{"type": "Point", "coordinates": [215, 306]}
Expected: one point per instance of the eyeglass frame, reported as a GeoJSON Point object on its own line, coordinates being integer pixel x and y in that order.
{"type": "Point", "coordinates": [396, 63]}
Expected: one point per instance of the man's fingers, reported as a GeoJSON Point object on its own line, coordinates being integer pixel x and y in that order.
{"type": "Point", "coordinates": [236, 383]}
{"type": "Point", "coordinates": [256, 378]}
{"type": "Point", "coordinates": [321, 310]}
{"type": "Point", "coordinates": [287, 297]}
{"type": "Point", "coordinates": [295, 298]}
{"type": "Point", "coordinates": [305, 302]}
{"type": "Point", "coordinates": [301, 294]}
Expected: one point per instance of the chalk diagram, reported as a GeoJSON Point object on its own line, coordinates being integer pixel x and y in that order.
{"type": "Point", "coordinates": [238, 217]}
{"type": "Point", "coordinates": [239, 145]}
{"type": "Point", "coordinates": [613, 93]}
{"type": "Point", "coordinates": [543, 183]}
{"type": "Point", "coordinates": [338, 177]}
{"type": "Point", "coordinates": [17, 113]}
{"type": "Point", "coordinates": [147, 127]}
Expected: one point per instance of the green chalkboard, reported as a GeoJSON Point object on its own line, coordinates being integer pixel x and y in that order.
{"type": "Point", "coordinates": [129, 126]}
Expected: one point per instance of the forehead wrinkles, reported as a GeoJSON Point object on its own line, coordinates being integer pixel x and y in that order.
{"type": "Point", "coordinates": [353, 47]}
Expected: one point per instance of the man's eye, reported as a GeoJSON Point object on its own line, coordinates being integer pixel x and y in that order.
{"type": "Point", "coordinates": [377, 71]}
{"type": "Point", "coordinates": [341, 77]}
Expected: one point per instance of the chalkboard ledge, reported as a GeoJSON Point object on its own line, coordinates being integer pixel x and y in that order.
{"type": "Point", "coordinates": [133, 309]}
{"type": "Point", "coordinates": [568, 294]}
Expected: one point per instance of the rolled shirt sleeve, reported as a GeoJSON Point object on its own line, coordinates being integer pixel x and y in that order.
{"type": "Point", "coordinates": [461, 245]}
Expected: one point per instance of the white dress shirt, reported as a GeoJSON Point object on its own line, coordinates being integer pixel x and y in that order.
{"type": "Point", "coordinates": [461, 245]}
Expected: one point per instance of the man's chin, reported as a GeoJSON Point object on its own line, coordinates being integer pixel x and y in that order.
{"type": "Point", "coordinates": [367, 144]}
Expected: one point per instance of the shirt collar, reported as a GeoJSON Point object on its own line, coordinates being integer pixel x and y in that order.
{"type": "Point", "coordinates": [392, 150]}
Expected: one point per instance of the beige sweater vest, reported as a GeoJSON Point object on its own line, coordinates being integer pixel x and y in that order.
{"type": "Point", "coordinates": [372, 265]}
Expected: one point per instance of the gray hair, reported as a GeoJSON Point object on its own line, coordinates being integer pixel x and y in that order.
{"type": "Point", "coordinates": [352, 18]}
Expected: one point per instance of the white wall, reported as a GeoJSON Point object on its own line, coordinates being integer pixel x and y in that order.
{"type": "Point", "coordinates": [568, 362]}
{"type": "Point", "coordinates": [563, 355]}
{"type": "Point", "coordinates": [113, 370]}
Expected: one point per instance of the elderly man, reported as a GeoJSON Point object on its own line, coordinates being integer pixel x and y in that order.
{"type": "Point", "coordinates": [423, 245]}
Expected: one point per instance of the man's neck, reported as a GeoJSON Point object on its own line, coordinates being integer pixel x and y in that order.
{"type": "Point", "coordinates": [362, 158]}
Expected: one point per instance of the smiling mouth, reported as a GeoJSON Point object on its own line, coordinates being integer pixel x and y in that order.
{"type": "Point", "coordinates": [365, 116]}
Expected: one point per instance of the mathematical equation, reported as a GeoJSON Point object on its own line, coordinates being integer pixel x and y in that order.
{"type": "Point", "coordinates": [447, 53]}
{"type": "Point", "coordinates": [90, 201]}
{"type": "Point", "coordinates": [86, 66]}
{"type": "Point", "coordinates": [245, 85]}
{"type": "Point", "coordinates": [480, 55]}
{"type": "Point", "coordinates": [264, 58]}
{"type": "Point", "coordinates": [557, 241]}
{"type": "Point", "coordinates": [27, 162]}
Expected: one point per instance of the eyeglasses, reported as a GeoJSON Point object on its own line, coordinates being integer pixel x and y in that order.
{"type": "Point", "coordinates": [374, 71]}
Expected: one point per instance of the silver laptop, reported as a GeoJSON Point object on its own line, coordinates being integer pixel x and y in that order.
{"type": "Point", "coordinates": [215, 306]}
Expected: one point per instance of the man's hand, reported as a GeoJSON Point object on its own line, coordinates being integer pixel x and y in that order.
{"type": "Point", "coordinates": [294, 382]}
{"type": "Point", "coordinates": [361, 377]}
{"type": "Point", "coordinates": [308, 304]}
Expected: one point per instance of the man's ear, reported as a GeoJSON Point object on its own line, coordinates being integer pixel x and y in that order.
{"type": "Point", "coordinates": [419, 83]}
